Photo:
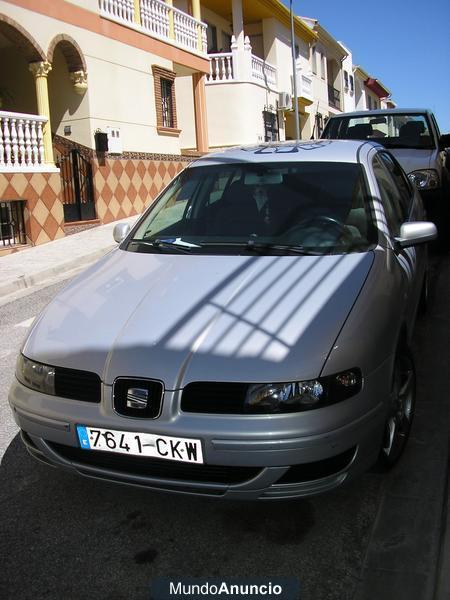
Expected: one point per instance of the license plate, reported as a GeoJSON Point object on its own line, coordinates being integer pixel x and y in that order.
{"type": "Point", "coordinates": [140, 444]}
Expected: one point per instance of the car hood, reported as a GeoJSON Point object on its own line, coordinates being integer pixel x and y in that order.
{"type": "Point", "coordinates": [182, 318]}
{"type": "Point", "coordinates": [413, 160]}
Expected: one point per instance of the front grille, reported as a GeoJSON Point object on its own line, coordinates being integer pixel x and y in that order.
{"type": "Point", "coordinates": [213, 397]}
{"type": "Point", "coordinates": [318, 469]}
{"type": "Point", "coordinates": [154, 467]}
{"type": "Point", "coordinates": [77, 385]}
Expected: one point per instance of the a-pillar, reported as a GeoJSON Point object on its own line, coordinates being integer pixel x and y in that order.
{"type": "Point", "coordinates": [201, 123]}
{"type": "Point", "coordinates": [40, 71]}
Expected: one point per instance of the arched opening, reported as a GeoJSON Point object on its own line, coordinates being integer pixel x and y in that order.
{"type": "Point", "coordinates": [69, 112]}
{"type": "Point", "coordinates": [17, 50]}
{"type": "Point", "coordinates": [67, 86]}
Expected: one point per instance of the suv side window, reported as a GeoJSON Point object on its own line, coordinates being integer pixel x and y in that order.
{"type": "Point", "coordinates": [390, 196]}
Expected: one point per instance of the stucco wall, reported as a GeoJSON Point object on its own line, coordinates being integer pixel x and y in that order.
{"type": "Point", "coordinates": [185, 112]}
{"type": "Point", "coordinates": [235, 113]}
{"type": "Point", "coordinates": [348, 96]}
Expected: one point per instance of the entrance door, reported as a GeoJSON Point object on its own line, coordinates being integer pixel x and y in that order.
{"type": "Point", "coordinates": [77, 187]}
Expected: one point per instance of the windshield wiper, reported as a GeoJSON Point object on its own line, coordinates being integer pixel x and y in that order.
{"type": "Point", "coordinates": [184, 247]}
{"type": "Point", "coordinates": [260, 247]}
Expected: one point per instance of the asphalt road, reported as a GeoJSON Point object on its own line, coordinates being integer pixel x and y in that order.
{"type": "Point", "coordinates": [63, 536]}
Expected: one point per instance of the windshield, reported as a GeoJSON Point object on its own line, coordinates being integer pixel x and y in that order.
{"type": "Point", "coordinates": [270, 208]}
{"type": "Point", "coordinates": [392, 130]}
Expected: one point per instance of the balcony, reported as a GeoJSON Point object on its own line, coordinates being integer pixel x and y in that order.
{"type": "Point", "coordinates": [21, 143]}
{"type": "Point", "coordinates": [244, 66]}
{"type": "Point", "coordinates": [304, 87]}
{"type": "Point", "coordinates": [159, 20]}
{"type": "Point", "coordinates": [334, 97]}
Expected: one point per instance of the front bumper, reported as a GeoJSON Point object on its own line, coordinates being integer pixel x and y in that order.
{"type": "Point", "coordinates": [246, 457]}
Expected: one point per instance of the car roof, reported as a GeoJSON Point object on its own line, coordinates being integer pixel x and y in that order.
{"type": "Point", "coordinates": [383, 111]}
{"type": "Point", "coordinates": [347, 151]}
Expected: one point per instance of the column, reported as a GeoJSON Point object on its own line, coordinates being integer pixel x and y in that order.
{"type": "Point", "coordinates": [201, 124]}
{"type": "Point", "coordinates": [238, 41]}
{"type": "Point", "coordinates": [196, 13]}
{"type": "Point", "coordinates": [171, 22]}
{"type": "Point", "coordinates": [40, 71]}
{"type": "Point", "coordinates": [137, 12]}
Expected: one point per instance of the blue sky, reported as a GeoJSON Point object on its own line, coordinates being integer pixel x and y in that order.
{"type": "Point", "coordinates": [404, 43]}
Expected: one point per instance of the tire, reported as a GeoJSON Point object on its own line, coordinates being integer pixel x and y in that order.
{"type": "Point", "coordinates": [401, 412]}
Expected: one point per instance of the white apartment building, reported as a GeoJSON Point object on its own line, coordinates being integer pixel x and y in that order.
{"type": "Point", "coordinates": [250, 85]}
{"type": "Point", "coordinates": [370, 93]}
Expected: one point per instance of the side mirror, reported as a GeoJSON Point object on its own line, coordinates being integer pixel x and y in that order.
{"type": "Point", "coordinates": [444, 141]}
{"type": "Point", "coordinates": [120, 232]}
{"type": "Point", "coordinates": [417, 232]}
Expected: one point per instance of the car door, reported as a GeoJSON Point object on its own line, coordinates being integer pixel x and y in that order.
{"type": "Point", "coordinates": [400, 205]}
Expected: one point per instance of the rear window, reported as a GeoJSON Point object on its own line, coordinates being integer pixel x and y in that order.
{"type": "Point", "coordinates": [396, 130]}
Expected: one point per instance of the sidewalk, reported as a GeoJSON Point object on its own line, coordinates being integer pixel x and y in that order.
{"type": "Point", "coordinates": [35, 265]}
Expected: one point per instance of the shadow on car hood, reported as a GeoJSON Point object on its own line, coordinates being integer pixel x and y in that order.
{"type": "Point", "coordinates": [182, 318]}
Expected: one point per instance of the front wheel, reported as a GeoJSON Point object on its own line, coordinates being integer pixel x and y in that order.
{"type": "Point", "coordinates": [401, 410]}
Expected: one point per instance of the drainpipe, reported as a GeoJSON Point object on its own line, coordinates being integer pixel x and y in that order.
{"type": "Point", "coordinates": [294, 72]}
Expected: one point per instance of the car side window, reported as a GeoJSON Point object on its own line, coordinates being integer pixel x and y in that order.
{"type": "Point", "coordinates": [400, 180]}
{"type": "Point", "coordinates": [390, 196]}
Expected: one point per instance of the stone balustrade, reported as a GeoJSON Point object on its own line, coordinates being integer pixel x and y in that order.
{"type": "Point", "coordinates": [158, 19]}
{"type": "Point", "coordinates": [21, 142]}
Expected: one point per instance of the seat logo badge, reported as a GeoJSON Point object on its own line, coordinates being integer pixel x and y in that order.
{"type": "Point", "coordinates": [137, 398]}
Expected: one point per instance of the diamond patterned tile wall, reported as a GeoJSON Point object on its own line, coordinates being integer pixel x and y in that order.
{"type": "Point", "coordinates": [44, 214]}
{"type": "Point", "coordinates": [125, 187]}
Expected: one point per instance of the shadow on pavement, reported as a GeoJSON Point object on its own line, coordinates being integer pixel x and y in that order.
{"type": "Point", "coordinates": [65, 536]}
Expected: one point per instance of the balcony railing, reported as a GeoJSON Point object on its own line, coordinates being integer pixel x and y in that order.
{"type": "Point", "coordinates": [305, 86]}
{"type": "Point", "coordinates": [21, 142]}
{"type": "Point", "coordinates": [263, 71]}
{"type": "Point", "coordinates": [12, 223]}
{"type": "Point", "coordinates": [159, 20]}
{"type": "Point", "coordinates": [222, 69]}
{"type": "Point", "coordinates": [334, 97]}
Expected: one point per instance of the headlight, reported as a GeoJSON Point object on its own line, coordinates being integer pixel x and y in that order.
{"type": "Point", "coordinates": [302, 395]}
{"type": "Point", "coordinates": [426, 179]}
{"type": "Point", "coordinates": [35, 375]}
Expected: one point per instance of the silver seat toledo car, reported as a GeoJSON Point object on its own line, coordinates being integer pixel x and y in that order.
{"type": "Point", "coordinates": [248, 338]}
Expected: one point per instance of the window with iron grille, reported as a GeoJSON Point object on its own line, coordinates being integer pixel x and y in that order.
{"type": "Point", "coordinates": [166, 103]}
{"type": "Point", "coordinates": [270, 126]}
{"type": "Point", "coordinates": [352, 84]}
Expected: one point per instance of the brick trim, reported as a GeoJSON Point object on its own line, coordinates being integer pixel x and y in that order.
{"type": "Point", "coordinates": [71, 51]}
{"type": "Point", "coordinates": [19, 37]}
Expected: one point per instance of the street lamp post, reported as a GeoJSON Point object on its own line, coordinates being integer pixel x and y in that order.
{"type": "Point", "coordinates": [294, 72]}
